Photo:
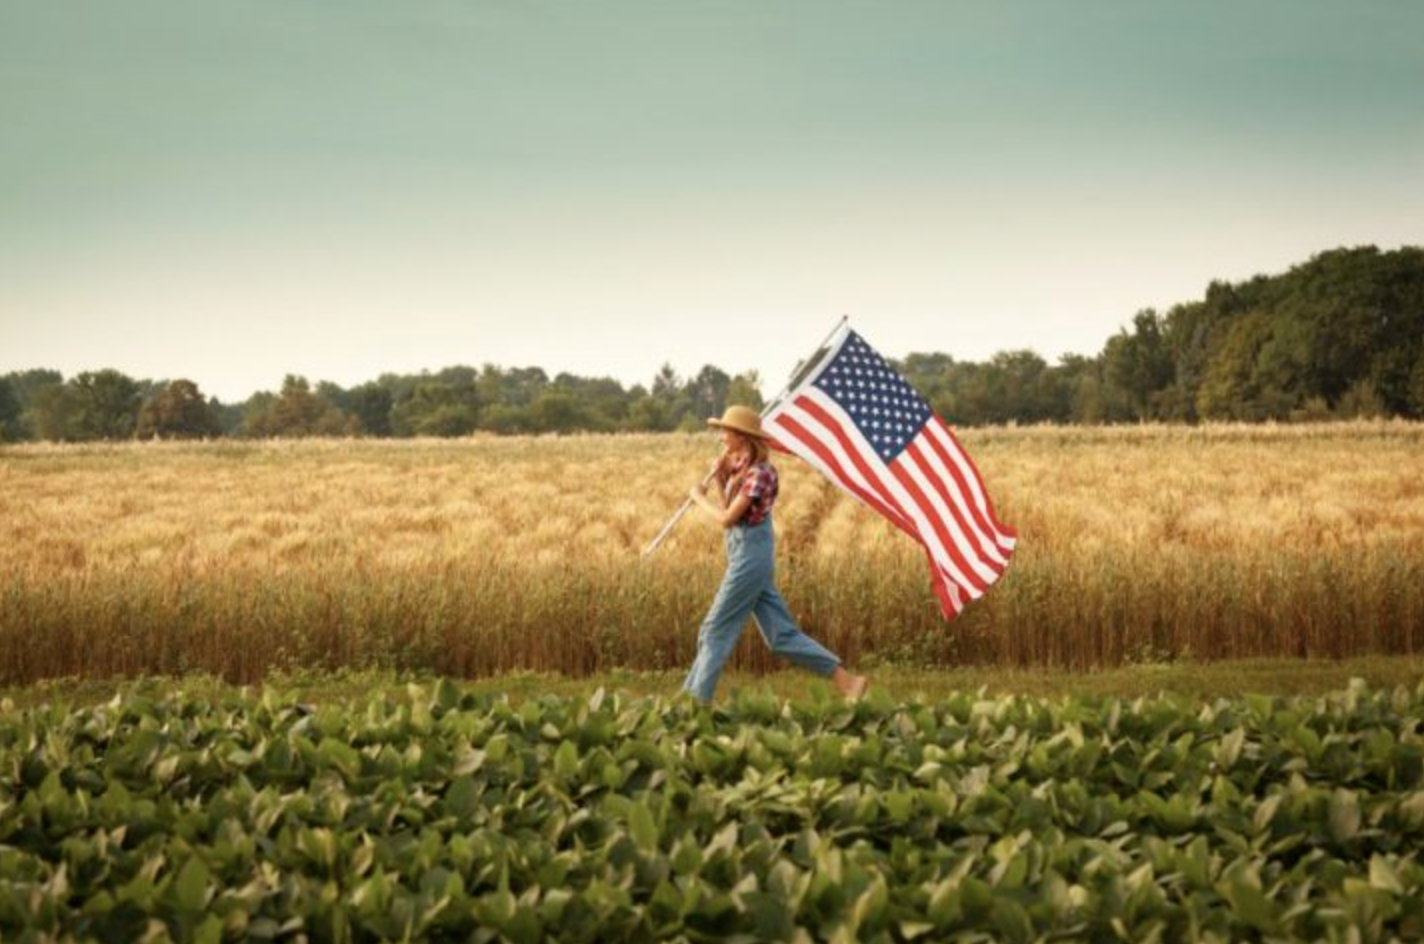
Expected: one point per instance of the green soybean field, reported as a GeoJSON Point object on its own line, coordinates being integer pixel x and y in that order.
{"type": "Point", "coordinates": [440, 813]}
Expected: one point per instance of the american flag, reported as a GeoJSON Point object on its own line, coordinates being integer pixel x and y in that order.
{"type": "Point", "coordinates": [855, 419]}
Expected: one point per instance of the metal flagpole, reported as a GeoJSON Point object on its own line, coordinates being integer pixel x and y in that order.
{"type": "Point", "coordinates": [803, 369]}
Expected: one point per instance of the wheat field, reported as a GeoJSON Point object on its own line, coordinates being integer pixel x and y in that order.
{"type": "Point", "coordinates": [482, 555]}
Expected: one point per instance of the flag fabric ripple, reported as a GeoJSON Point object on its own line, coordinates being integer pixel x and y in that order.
{"type": "Point", "coordinates": [865, 428]}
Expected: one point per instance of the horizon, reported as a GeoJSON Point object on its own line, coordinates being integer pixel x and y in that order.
{"type": "Point", "coordinates": [375, 190]}
{"type": "Point", "coordinates": [766, 385]}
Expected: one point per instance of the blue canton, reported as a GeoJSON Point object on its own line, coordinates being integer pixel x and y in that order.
{"type": "Point", "coordinates": [887, 410]}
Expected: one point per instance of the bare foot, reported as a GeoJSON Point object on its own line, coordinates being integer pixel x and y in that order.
{"type": "Point", "coordinates": [852, 687]}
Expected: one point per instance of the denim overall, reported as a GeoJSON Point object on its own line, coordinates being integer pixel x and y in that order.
{"type": "Point", "coordinates": [749, 589]}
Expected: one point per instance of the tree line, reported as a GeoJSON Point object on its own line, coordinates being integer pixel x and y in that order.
{"type": "Point", "coordinates": [456, 401]}
{"type": "Point", "coordinates": [1341, 335]}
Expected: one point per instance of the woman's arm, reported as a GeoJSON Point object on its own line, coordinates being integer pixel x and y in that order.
{"type": "Point", "coordinates": [726, 517]}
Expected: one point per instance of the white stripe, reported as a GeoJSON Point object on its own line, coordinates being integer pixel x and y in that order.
{"type": "Point", "coordinates": [907, 504]}
{"type": "Point", "coordinates": [827, 438]}
{"type": "Point", "coordinates": [985, 542]}
{"type": "Point", "coordinates": [965, 544]}
{"type": "Point", "coordinates": [957, 599]}
{"type": "Point", "coordinates": [956, 596]}
{"type": "Point", "coordinates": [790, 440]}
{"type": "Point", "coordinates": [957, 456]}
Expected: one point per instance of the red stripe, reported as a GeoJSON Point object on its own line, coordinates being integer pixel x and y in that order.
{"type": "Point", "coordinates": [989, 504]}
{"type": "Point", "coordinates": [943, 586]}
{"type": "Point", "coordinates": [809, 440]}
{"type": "Point", "coordinates": [984, 527]}
{"type": "Point", "coordinates": [814, 409]}
{"type": "Point", "coordinates": [829, 422]}
{"type": "Point", "coordinates": [915, 451]}
{"type": "Point", "coordinates": [775, 444]}
{"type": "Point", "coordinates": [927, 509]}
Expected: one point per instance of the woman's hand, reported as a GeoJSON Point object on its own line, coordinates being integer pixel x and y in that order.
{"type": "Point", "coordinates": [725, 462]}
{"type": "Point", "coordinates": [698, 494]}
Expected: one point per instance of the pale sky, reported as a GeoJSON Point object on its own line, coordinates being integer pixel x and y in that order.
{"type": "Point", "coordinates": [233, 191]}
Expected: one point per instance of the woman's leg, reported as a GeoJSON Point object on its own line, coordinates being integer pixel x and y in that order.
{"type": "Point", "coordinates": [778, 627]}
{"type": "Point", "coordinates": [722, 627]}
{"type": "Point", "coordinates": [784, 638]}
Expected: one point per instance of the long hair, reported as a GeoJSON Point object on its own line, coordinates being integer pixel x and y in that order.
{"type": "Point", "coordinates": [759, 452]}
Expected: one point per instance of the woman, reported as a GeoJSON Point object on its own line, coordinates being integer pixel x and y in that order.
{"type": "Point", "coordinates": [747, 488]}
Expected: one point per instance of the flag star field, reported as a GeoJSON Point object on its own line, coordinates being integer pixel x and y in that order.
{"type": "Point", "coordinates": [887, 410]}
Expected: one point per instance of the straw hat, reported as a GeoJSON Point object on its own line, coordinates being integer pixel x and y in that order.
{"type": "Point", "coordinates": [742, 419]}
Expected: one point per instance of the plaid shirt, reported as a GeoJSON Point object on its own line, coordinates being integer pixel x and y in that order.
{"type": "Point", "coordinates": [760, 484]}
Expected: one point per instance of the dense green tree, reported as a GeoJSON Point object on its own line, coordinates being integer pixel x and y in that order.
{"type": "Point", "coordinates": [1091, 399]}
{"type": "Point", "coordinates": [506, 419]}
{"type": "Point", "coordinates": [335, 394]}
{"type": "Point", "coordinates": [1138, 366]}
{"type": "Point", "coordinates": [230, 416]}
{"type": "Point", "coordinates": [178, 411]}
{"type": "Point", "coordinates": [666, 384]}
{"type": "Point", "coordinates": [25, 382]}
{"type": "Point", "coordinates": [435, 408]}
{"type": "Point", "coordinates": [1231, 388]}
{"type": "Point", "coordinates": [1190, 332]}
{"type": "Point", "coordinates": [933, 375]}
{"type": "Point", "coordinates": [601, 402]}
{"type": "Point", "coordinates": [1416, 387]}
{"type": "Point", "coordinates": [53, 413]}
{"type": "Point", "coordinates": [22, 386]}
{"type": "Point", "coordinates": [557, 411]}
{"type": "Point", "coordinates": [106, 404]}
{"type": "Point", "coordinates": [1069, 380]}
{"type": "Point", "coordinates": [300, 411]}
{"type": "Point", "coordinates": [1014, 386]}
{"type": "Point", "coordinates": [678, 408]}
{"type": "Point", "coordinates": [707, 392]}
{"type": "Point", "coordinates": [371, 404]}
{"type": "Point", "coordinates": [1361, 400]}
{"type": "Point", "coordinates": [10, 427]}
{"type": "Point", "coordinates": [92, 405]}
{"type": "Point", "coordinates": [521, 386]}
{"type": "Point", "coordinates": [650, 414]}
{"type": "Point", "coordinates": [490, 385]}
{"type": "Point", "coordinates": [1266, 347]}
{"type": "Point", "coordinates": [252, 413]}
{"type": "Point", "coordinates": [745, 390]}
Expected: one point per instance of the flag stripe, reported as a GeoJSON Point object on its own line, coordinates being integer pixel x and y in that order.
{"type": "Point", "coordinates": [892, 488]}
{"type": "Point", "coordinates": [952, 455]}
{"type": "Point", "coordinates": [853, 467]}
{"type": "Point", "coordinates": [951, 477]}
{"type": "Point", "coordinates": [825, 459]}
{"type": "Point", "coordinates": [963, 571]}
{"type": "Point", "coordinates": [822, 412]}
{"type": "Point", "coordinates": [951, 473]}
{"type": "Point", "coordinates": [976, 482]}
{"type": "Point", "coordinates": [944, 588]}
{"type": "Point", "coordinates": [985, 555]}
{"type": "Point", "coordinates": [858, 422]}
